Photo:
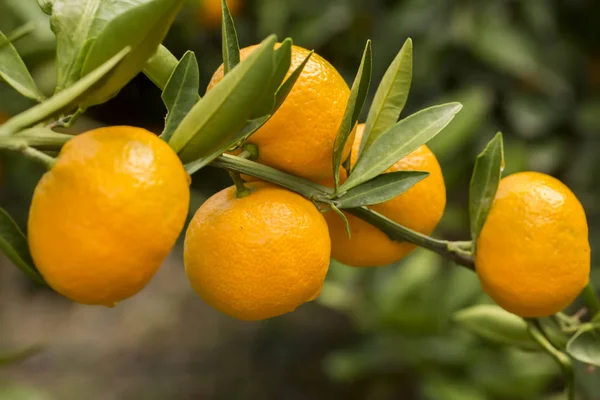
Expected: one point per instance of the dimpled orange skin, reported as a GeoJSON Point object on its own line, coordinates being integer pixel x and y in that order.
{"type": "Point", "coordinates": [533, 254]}
{"type": "Point", "coordinates": [259, 256]}
{"type": "Point", "coordinates": [209, 12]}
{"type": "Point", "coordinates": [299, 138]}
{"type": "Point", "coordinates": [420, 208]}
{"type": "Point", "coordinates": [104, 218]}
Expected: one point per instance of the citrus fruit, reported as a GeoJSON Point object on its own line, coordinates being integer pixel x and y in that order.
{"type": "Point", "coordinates": [533, 254]}
{"type": "Point", "coordinates": [299, 138]}
{"type": "Point", "coordinates": [420, 208]}
{"type": "Point", "coordinates": [258, 256]}
{"type": "Point", "coordinates": [107, 214]}
{"type": "Point", "coordinates": [209, 12]}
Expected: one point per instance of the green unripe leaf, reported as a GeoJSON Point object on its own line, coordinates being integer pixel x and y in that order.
{"type": "Point", "coordinates": [230, 43]}
{"type": "Point", "coordinates": [63, 101]}
{"type": "Point", "coordinates": [152, 21]}
{"type": "Point", "coordinates": [76, 23]}
{"type": "Point", "coordinates": [283, 59]}
{"type": "Point", "coordinates": [390, 97]}
{"type": "Point", "coordinates": [248, 129]}
{"type": "Point", "coordinates": [14, 72]}
{"type": "Point", "coordinates": [380, 189]}
{"type": "Point", "coordinates": [493, 323]}
{"type": "Point", "coordinates": [224, 111]}
{"type": "Point", "coordinates": [584, 346]}
{"type": "Point", "coordinates": [160, 67]}
{"type": "Point", "coordinates": [358, 94]}
{"type": "Point", "coordinates": [484, 184]}
{"type": "Point", "coordinates": [399, 141]}
{"type": "Point", "coordinates": [181, 93]}
{"type": "Point", "coordinates": [13, 244]}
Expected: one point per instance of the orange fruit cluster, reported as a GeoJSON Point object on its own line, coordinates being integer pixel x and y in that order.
{"type": "Point", "coordinates": [104, 218]}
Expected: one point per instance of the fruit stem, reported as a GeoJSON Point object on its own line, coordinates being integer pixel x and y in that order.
{"type": "Point", "coordinates": [241, 189]}
{"type": "Point", "coordinates": [535, 330]}
{"type": "Point", "coordinates": [308, 189]}
{"type": "Point", "coordinates": [398, 232]}
{"type": "Point", "coordinates": [591, 299]}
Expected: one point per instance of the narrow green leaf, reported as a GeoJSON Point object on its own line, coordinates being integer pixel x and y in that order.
{"type": "Point", "coordinates": [61, 101]}
{"type": "Point", "coordinates": [584, 346]}
{"type": "Point", "coordinates": [231, 46]}
{"type": "Point", "coordinates": [380, 189]}
{"type": "Point", "coordinates": [283, 59]}
{"type": "Point", "coordinates": [390, 97]}
{"type": "Point", "coordinates": [218, 117]}
{"type": "Point", "coordinates": [75, 23]}
{"type": "Point", "coordinates": [13, 244]}
{"type": "Point", "coordinates": [484, 184]}
{"type": "Point", "coordinates": [160, 67]}
{"type": "Point", "coordinates": [287, 86]}
{"type": "Point", "coordinates": [152, 21]}
{"type": "Point", "coordinates": [358, 94]}
{"type": "Point", "coordinates": [244, 133]}
{"type": "Point", "coordinates": [181, 92]}
{"type": "Point", "coordinates": [14, 72]}
{"type": "Point", "coordinates": [493, 323]}
{"type": "Point", "coordinates": [399, 141]}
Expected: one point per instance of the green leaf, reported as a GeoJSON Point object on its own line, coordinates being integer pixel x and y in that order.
{"type": "Point", "coordinates": [390, 97]}
{"type": "Point", "coordinates": [61, 101]}
{"type": "Point", "coordinates": [160, 67]}
{"type": "Point", "coordinates": [14, 72]}
{"type": "Point", "coordinates": [584, 346]}
{"type": "Point", "coordinates": [218, 117]}
{"type": "Point", "coordinates": [399, 141]}
{"type": "Point", "coordinates": [493, 323]}
{"type": "Point", "coordinates": [287, 86]}
{"type": "Point", "coordinates": [231, 46]}
{"type": "Point", "coordinates": [380, 189]}
{"type": "Point", "coordinates": [283, 59]}
{"type": "Point", "coordinates": [13, 244]}
{"type": "Point", "coordinates": [152, 21]}
{"type": "Point", "coordinates": [75, 23]}
{"type": "Point", "coordinates": [358, 94]}
{"type": "Point", "coordinates": [181, 92]}
{"type": "Point", "coordinates": [243, 134]}
{"type": "Point", "coordinates": [484, 184]}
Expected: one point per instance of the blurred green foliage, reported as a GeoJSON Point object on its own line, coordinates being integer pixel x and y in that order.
{"type": "Point", "coordinates": [528, 68]}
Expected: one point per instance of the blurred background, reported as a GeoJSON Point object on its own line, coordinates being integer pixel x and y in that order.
{"type": "Point", "coordinates": [528, 68]}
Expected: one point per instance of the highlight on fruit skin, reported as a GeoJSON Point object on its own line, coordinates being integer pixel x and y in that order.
{"type": "Point", "coordinates": [104, 218]}
{"type": "Point", "coordinates": [259, 256]}
{"type": "Point", "coordinates": [300, 136]}
{"type": "Point", "coordinates": [420, 208]}
{"type": "Point", "coordinates": [533, 253]}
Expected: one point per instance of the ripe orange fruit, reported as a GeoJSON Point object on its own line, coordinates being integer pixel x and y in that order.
{"type": "Point", "coordinates": [420, 208]}
{"type": "Point", "coordinates": [533, 254]}
{"type": "Point", "coordinates": [104, 218]}
{"type": "Point", "coordinates": [299, 138]}
{"type": "Point", "coordinates": [258, 256]}
{"type": "Point", "coordinates": [209, 12]}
